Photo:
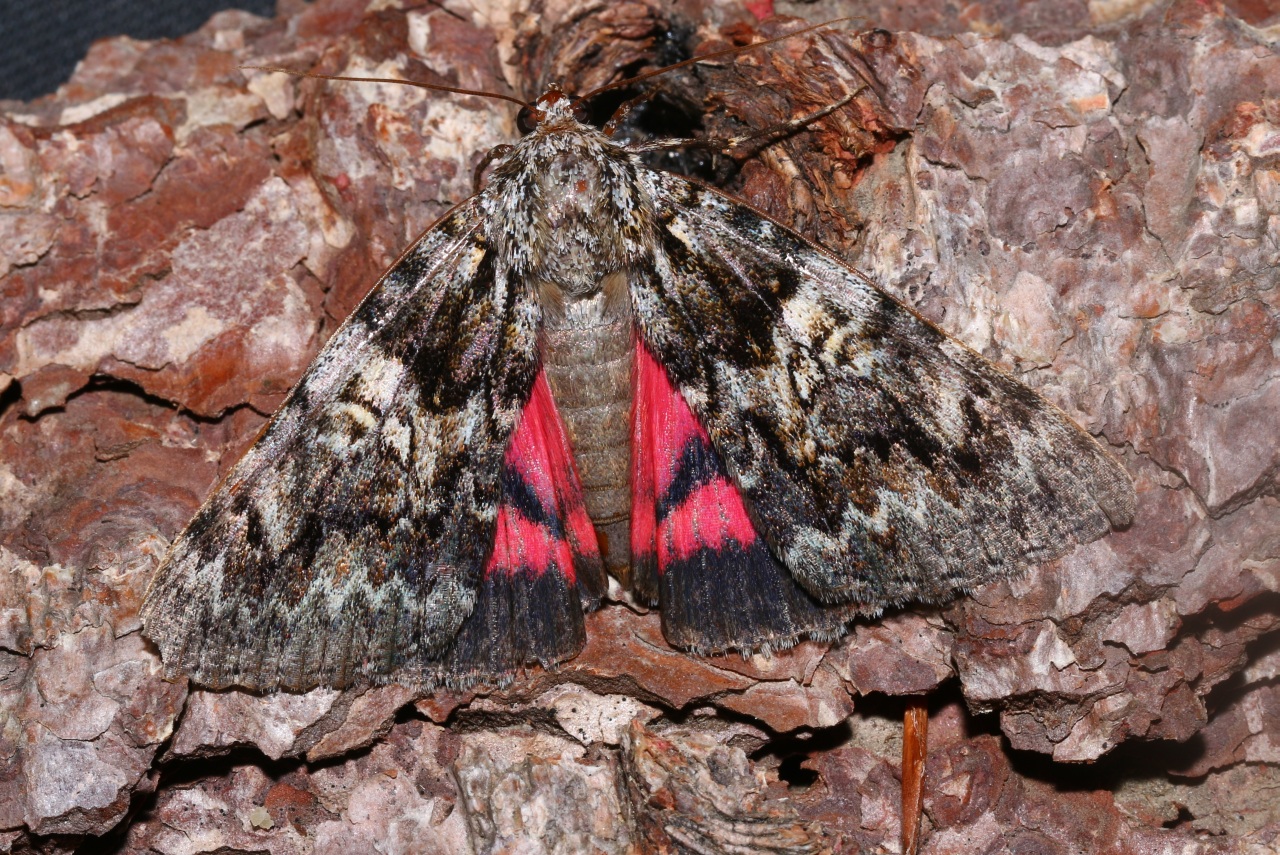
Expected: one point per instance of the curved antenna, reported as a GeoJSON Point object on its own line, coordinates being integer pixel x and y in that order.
{"type": "Point", "coordinates": [714, 55]}
{"type": "Point", "coordinates": [436, 86]}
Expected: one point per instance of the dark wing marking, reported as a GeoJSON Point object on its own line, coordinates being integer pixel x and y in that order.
{"type": "Point", "coordinates": [693, 544]}
{"type": "Point", "coordinates": [882, 460]}
{"type": "Point", "coordinates": [351, 540]}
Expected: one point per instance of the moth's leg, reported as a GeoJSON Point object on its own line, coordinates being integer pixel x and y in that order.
{"type": "Point", "coordinates": [494, 153]}
{"type": "Point", "coordinates": [726, 143]}
{"type": "Point", "coordinates": [624, 110]}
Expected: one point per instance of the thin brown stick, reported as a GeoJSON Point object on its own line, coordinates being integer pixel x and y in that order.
{"type": "Point", "coordinates": [915, 750]}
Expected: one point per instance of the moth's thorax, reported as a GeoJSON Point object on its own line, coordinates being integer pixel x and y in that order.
{"type": "Point", "coordinates": [565, 205]}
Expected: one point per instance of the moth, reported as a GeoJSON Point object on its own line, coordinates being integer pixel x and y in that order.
{"type": "Point", "coordinates": [594, 367]}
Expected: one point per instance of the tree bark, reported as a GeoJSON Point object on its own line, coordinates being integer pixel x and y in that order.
{"type": "Point", "coordinates": [1091, 202]}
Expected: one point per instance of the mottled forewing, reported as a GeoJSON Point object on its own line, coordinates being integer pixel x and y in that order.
{"type": "Point", "coordinates": [882, 460]}
{"type": "Point", "coordinates": [351, 539]}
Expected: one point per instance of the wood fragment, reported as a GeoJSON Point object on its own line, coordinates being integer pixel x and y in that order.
{"type": "Point", "coordinates": [915, 751]}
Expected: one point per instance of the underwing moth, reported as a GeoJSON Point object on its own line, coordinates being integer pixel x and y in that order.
{"type": "Point", "coordinates": [590, 367]}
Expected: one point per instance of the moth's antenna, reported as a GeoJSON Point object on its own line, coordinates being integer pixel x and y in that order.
{"type": "Point", "coordinates": [499, 96]}
{"type": "Point", "coordinates": [714, 55]}
{"type": "Point", "coordinates": [436, 86]}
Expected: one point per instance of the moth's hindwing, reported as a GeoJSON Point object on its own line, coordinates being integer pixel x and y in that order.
{"type": "Point", "coordinates": [352, 539]}
{"type": "Point", "coordinates": [881, 460]}
{"type": "Point", "coordinates": [694, 547]}
{"type": "Point", "coordinates": [545, 567]}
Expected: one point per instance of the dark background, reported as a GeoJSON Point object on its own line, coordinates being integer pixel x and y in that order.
{"type": "Point", "coordinates": [43, 40]}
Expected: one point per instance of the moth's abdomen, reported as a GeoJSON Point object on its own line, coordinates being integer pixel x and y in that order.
{"type": "Point", "coordinates": [587, 356]}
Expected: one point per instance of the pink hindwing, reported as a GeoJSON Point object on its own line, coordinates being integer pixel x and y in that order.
{"type": "Point", "coordinates": [542, 521]}
{"type": "Point", "coordinates": [695, 550]}
{"type": "Point", "coordinates": [544, 567]}
{"type": "Point", "coordinates": [678, 508]}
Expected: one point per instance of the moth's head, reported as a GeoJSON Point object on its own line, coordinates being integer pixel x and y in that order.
{"type": "Point", "coordinates": [551, 108]}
